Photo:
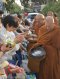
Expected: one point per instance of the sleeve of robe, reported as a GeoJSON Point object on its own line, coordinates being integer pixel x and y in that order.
{"type": "Point", "coordinates": [44, 39]}
{"type": "Point", "coordinates": [52, 38]}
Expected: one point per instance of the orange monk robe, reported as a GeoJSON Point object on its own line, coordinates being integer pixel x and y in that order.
{"type": "Point", "coordinates": [42, 31]}
{"type": "Point", "coordinates": [31, 43]}
{"type": "Point", "coordinates": [31, 63]}
{"type": "Point", "coordinates": [50, 66]}
{"type": "Point", "coordinates": [36, 30]}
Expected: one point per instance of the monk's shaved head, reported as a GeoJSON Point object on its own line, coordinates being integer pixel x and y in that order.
{"type": "Point", "coordinates": [40, 16]}
{"type": "Point", "coordinates": [50, 19]}
{"type": "Point", "coordinates": [40, 19]}
{"type": "Point", "coordinates": [50, 13]}
{"type": "Point", "coordinates": [49, 22]}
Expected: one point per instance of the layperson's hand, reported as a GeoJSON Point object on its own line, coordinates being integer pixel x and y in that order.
{"type": "Point", "coordinates": [5, 48]}
{"type": "Point", "coordinates": [19, 69]}
{"type": "Point", "coordinates": [13, 68]}
{"type": "Point", "coordinates": [19, 38]}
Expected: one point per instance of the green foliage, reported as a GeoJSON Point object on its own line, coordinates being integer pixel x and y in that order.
{"type": "Point", "coordinates": [12, 7]}
{"type": "Point", "coordinates": [16, 9]}
{"type": "Point", "coordinates": [44, 1]}
{"type": "Point", "coordinates": [55, 7]}
{"type": "Point", "coordinates": [47, 8]}
{"type": "Point", "coordinates": [9, 5]}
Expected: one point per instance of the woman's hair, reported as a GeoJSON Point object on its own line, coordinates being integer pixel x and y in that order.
{"type": "Point", "coordinates": [10, 20]}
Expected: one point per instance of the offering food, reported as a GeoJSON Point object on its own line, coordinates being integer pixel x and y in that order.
{"type": "Point", "coordinates": [8, 39]}
{"type": "Point", "coordinates": [9, 42]}
{"type": "Point", "coordinates": [10, 45]}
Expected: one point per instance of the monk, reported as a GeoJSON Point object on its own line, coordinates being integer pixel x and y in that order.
{"type": "Point", "coordinates": [50, 66]}
{"type": "Point", "coordinates": [54, 15]}
{"type": "Point", "coordinates": [39, 22]}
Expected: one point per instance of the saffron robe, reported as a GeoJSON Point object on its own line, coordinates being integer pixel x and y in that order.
{"type": "Point", "coordinates": [50, 66]}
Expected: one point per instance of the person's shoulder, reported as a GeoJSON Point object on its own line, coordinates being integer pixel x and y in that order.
{"type": "Point", "coordinates": [11, 34]}
{"type": "Point", "coordinates": [2, 30]}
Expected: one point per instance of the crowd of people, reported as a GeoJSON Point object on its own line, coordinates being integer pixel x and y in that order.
{"type": "Point", "coordinates": [16, 36]}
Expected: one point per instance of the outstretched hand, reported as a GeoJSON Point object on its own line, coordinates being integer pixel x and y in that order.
{"type": "Point", "coordinates": [19, 38]}
{"type": "Point", "coordinates": [4, 48]}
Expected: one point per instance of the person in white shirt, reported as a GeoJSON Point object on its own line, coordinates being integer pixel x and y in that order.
{"type": "Point", "coordinates": [9, 40]}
